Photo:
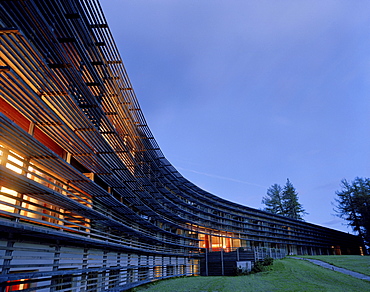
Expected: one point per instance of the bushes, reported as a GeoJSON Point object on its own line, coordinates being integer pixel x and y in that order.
{"type": "Point", "coordinates": [262, 266]}
{"type": "Point", "coordinates": [259, 266]}
{"type": "Point", "coordinates": [268, 261]}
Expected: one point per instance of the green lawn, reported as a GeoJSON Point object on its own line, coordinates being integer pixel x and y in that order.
{"type": "Point", "coordinates": [286, 275]}
{"type": "Point", "coordinates": [355, 263]}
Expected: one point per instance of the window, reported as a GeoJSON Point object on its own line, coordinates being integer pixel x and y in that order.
{"type": "Point", "coordinates": [130, 275]}
{"type": "Point", "coordinates": [114, 278]}
{"type": "Point", "coordinates": [21, 284]}
{"type": "Point", "coordinates": [183, 269]}
{"type": "Point", "coordinates": [6, 200]}
{"type": "Point", "coordinates": [14, 162]}
{"type": "Point", "coordinates": [170, 270]}
{"type": "Point", "coordinates": [17, 285]}
{"type": "Point", "coordinates": [63, 282]}
{"type": "Point", "coordinates": [92, 281]}
{"type": "Point", "coordinates": [143, 273]}
{"type": "Point", "coordinates": [157, 271]}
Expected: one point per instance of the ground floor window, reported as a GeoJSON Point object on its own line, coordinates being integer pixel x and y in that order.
{"type": "Point", "coordinates": [143, 273]}
{"type": "Point", "coordinates": [170, 270]}
{"type": "Point", "coordinates": [62, 282]}
{"type": "Point", "coordinates": [157, 271]}
{"type": "Point", "coordinates": [114, 278]}
{"type": "Point", "coordinates": [21, 284]}
{"type": "Point", "coordinates": [17, 285]}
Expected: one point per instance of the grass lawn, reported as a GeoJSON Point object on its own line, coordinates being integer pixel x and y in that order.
{"type": "Point", "coordinates": [355, 263]}
{"type": "Point", "coordinates": [285, 275]}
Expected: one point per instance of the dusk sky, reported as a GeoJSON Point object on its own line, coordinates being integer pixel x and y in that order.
{"type": "Point", "coordinates": [241, 95]}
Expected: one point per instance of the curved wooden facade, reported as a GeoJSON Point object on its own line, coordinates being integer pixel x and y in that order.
{"type": "Point", "coordinates": [88, 201]}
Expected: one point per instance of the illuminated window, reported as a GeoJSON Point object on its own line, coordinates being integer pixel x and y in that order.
{"type": "Point", "coordinates": [31, 205]}
{"type": "Point", "coordinates": [157, 271]}
{"type": "Point", "coordinates": [14, 159]}
{"type": "Point", "coordinates": [182, 269]}
{"type": "Point", "coordinates": [12, 202]}
{"type": "Point", "coordinates": [41, 178]}
{"type": "Point", "coordinates": [216, 243]}
{"type": "Point", "coordinates": [361, 251]}
{"type": "Point", "coordinates": [195, 267]}
{"type": "Point", "coordinates": [1, 154]}
{"type": "Point", "coordinates": [236, 243]}
{"type": "Point", "coordinates": [6, 199]}
{"type": "Point", "coordinates": [17, 285]}
{"type": "Point", "coordinates": [41, 210]}
{"type": "Point", "coordinates": [21, 284]}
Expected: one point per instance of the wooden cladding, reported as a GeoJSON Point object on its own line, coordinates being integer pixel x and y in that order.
{"type": "Point", "coordinates": [48, 142]}
{"type": "Point", "coordinates": [14, 115]}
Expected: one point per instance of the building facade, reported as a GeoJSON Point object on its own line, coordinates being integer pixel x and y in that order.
{"type": "Point", "coordinates": [88, 202]}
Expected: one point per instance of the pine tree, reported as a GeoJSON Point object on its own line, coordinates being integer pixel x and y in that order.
{"type": "Point", "coordinates": [273, 200]}
{"type": "Point", "coordinates": [283, 201]}
{"type": "Point", "coordinates": [353, 205]}
{"type": "Point", "coordinates": [293, 209]}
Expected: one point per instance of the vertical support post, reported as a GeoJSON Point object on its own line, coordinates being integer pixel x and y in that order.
{"type": "Point", "coordinates": [255, 251]}
{"type": "Point", "coordinates": [84, 266]}
{"type": "Point", "coordinates": [206, 262]}
{"type": "Point", "coordinates": [103, 275]}
{"type": "Point", "coordinates": [56, 263]}
{"type": "Point", "coordinates": [222, 262]}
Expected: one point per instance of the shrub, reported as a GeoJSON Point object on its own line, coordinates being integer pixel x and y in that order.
{"type": "Point", "coordinates": [262, 266]}
{"type": "Point", "coordinates": [268, 261]}
{"type": "Point", "coordinates": [258, 267]}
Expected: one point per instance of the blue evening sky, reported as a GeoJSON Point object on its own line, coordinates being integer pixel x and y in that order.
{"type": "Point", "coordinates": [244, 94]}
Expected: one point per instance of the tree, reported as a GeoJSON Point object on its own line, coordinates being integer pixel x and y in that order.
{"type": "Point", "coordinates": [353, 205]}
{"type": "Point", "coordinates": [293, 209]}
{"type": "Point", "coordinates": [283, 201]}
{"type": "Point", "coordinates": [274, 200]}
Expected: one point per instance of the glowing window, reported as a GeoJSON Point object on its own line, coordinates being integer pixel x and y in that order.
{"type": "Point", "coordinates": [17, 285]}
{"type": "Point", "coordinates": [16, 161]}
{"type": "Point", "coordinates": [6, 199]}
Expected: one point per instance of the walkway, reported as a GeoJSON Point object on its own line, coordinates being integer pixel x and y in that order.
{"type": "Point", "coordinates": [334, 268]}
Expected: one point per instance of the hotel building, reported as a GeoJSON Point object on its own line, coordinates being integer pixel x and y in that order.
{"type": "Point", "coordinates": [88, 202]}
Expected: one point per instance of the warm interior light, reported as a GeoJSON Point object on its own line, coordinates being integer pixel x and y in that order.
{"type": "Point", "coordinates": [8, 200]}
{"type": "Point", "coordinates": [14, 168]}
{"type": "Point", "coordinates": [361, 251]}
{"type": "Point", "coordinates": [17, 285]}
{"type": "Point", "coordinates": [16, 161]}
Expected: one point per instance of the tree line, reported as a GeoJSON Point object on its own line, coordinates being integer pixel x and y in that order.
{"type": "Point", "coordinates": [352, 204]}
{"type": "Point", "coordinates": [283, 201]}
